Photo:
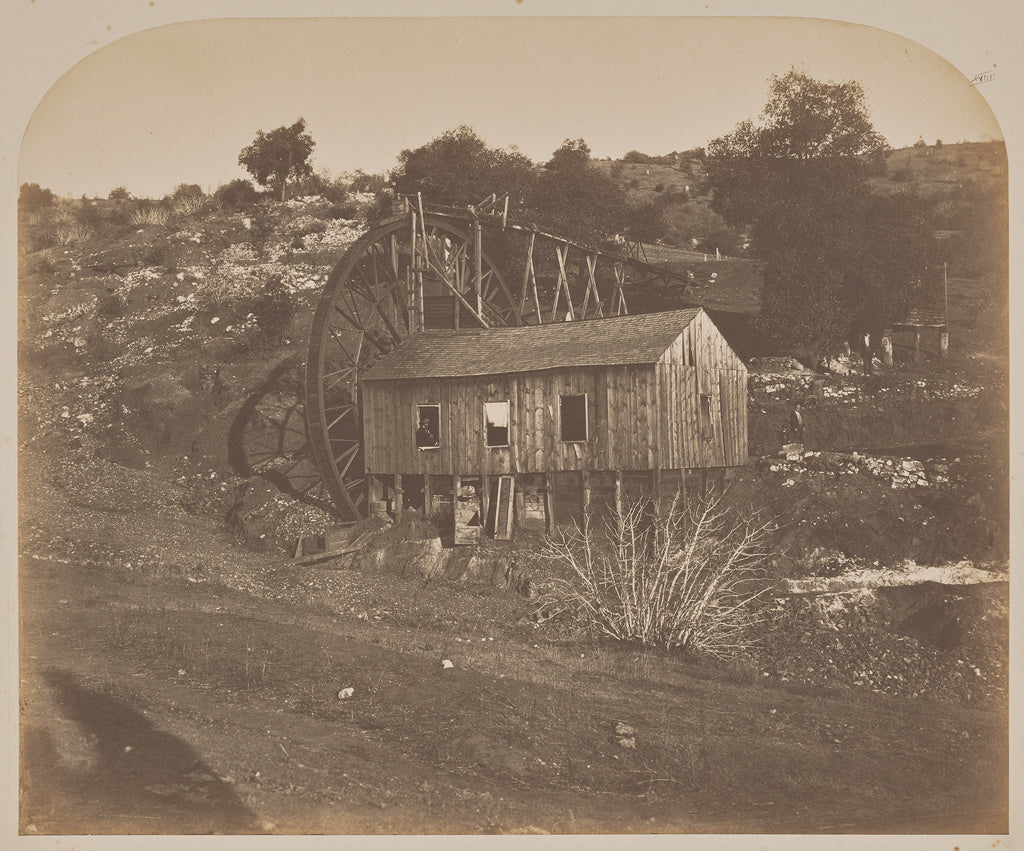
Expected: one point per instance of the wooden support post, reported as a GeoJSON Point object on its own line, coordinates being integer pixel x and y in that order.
{"type": "Point", "coordinates": [682, 483]}
{"type": "Point", "coordinates": [485, 498]}
{"type": "Point", "coordinates": [549, 505]}
{"type": "Point", "coordinates": [585, 490]}
{"type": "Point", "coordinates": [528, 273]}
{"type": "Point", "coordinates": [519, 508]}
{"type": "Point", "coordinates": [563, 283]}
{"type": "Point", "coordinates": [618, 493]}
{"type": "Point", "coordinates": [415, 277]}
{"type": "Point", "coordinates": [618, 306]}
{"type": "Point", "coordinates": [591, 288]}
{"type": "Point", "coordinates": [917, 345]}
{"type": "Point", "coordinates": [478, 267]}
{"type": "Point", "coordinates": [657, 484]}
{"type": "Point", "coordinates": [398, 495]}
{"type": "Point", "coordinates": [944, 342]}
{"type": "Point", "coordinates": [428, 496]}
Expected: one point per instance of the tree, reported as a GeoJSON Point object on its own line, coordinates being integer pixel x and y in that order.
{"type": "Point", "coordinates": [275, 156]}
{"type": "Point", "coordinates": [576, 199]}
{"type": "Point", "coordinates": [119, 193]}
{"type": "Point", "coordinates": [33, 197]}
{"type": "Point", "coordinates": [798, 178]}
{"type": "Point", "coordinates": [693, 224]}
{"type": "Point", "coordinates": [187, 190]}
{"type": "Point", "coordinates": [458, 168]}
{"type": "Point", "coordinates": [239, 194]}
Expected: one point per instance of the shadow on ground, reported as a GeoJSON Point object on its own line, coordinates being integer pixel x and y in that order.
{"type": "Point", "coordinates": [133, 779]}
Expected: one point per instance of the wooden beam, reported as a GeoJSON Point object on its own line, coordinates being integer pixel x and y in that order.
{"type": "Point", "coordinates": [399, 495]}
{"type": "Point", "coordinates": [485, 499]}
{"type": "Point", "coordinates": [563, 283]}
{"type": "Point", "coordinates": [528, 274]}
{"type": "Point", "coordinates": [478, 267]}
{"type": "Point", "coordinates": [591, 288]}
{"type": "Point", "coordinates": [549, 505]}
{"type": "Point", "coordinates": [618, 306]}
{"type": "Point", "coordinates": [519, 509]}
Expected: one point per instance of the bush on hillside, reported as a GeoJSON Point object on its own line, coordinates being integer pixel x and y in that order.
{"type": "Point", "coordinates": [189, 205]}
{"type": "Point", "coordinates": [362, 182]}
{"type": "Point", "coordinates": [32, 197]}
{"type": "Point", "coordinates": [274, 309]}
{"type": "Point", "coordinates": [685, 575]}
{"type": "Point", "coordinates": [238, 195]}
{"type": "Point", "coordinates": [150, 215]}
{"type": "Point", "coordinates": [187, 190]}
{"type": "Point", "coordinates": [637, 157]}
{"type": "Point", "coordinates": [71, 233]}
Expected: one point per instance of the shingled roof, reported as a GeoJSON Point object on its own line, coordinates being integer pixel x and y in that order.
{"type": "Point", "coordinates": [614, 341]}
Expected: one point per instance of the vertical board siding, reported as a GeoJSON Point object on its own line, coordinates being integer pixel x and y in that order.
{"type": "Point", "coordinates": [640, 417]}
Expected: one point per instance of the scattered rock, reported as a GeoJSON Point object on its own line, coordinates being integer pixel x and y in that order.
{"type": "Point", "coordinates": [625, 735]}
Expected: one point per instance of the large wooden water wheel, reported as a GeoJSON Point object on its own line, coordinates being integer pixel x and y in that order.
{"type": "Point", "coordinates": [409, 273]}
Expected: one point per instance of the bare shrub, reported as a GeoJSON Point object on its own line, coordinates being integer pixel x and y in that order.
{"type": "Point", "coordinates": [686, 575]}
{"type": "Point", "coordinates": [189, 205]}
{"type": "Point", "coordinates": [71, 233]}
{"type": "Point", "coordinates": [150, 216]}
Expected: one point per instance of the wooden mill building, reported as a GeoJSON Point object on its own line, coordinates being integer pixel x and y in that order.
{"type": "Point", "coordinates": [532, 425]}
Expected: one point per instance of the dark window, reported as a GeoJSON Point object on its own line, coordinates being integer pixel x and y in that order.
{"type": "Point", "coordinates": [572, 413]}
{"type": "Point", "coordinates": [496, 419]}
{"type": "Point", "coordinates": [707, 428]}
{"type": "Point", "coordinates": [428, 428]}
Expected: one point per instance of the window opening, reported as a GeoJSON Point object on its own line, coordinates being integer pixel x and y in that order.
{"type": "Point", "coordinates": [428, 429]}
{"type": "Point", "coordinates": [496, 420]}
{"type": "Point", "coordinates": [573, 418]}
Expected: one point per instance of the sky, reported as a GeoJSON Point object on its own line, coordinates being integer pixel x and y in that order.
{"type": "Point", "coordinates": [177, 103]}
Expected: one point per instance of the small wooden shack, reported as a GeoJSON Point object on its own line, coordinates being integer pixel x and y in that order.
{"type": "Point", "coordinates": [532, 425]}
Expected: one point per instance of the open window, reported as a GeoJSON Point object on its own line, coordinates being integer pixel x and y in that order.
{"type": "Point", "coordinates": [707, 426]}
{"type": "Point", "coordinates": [428, 426]}
{"type": "Point", "coordinates": [496, 420]}
{"type": "Point", "coordinates": [572, 418]}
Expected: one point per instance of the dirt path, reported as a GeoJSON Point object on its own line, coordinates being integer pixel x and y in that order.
{"type": "Point", "coordinates": [158, 707]}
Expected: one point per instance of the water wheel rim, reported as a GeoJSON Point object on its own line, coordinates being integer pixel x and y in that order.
{"type": "Point", "coordinates": [361, 316]}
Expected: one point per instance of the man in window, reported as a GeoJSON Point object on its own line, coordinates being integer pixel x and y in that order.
{"type": "Point", "coordinates": [425, 436]}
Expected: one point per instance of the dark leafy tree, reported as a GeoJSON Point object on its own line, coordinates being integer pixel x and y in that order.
{"type": "Point", "coordinates": [575, 198]}
{"type": "Point", "coordinates": [693, 224]}
{"type": "Point", "coordinates": [274, 157]}
{"type": "Point", "coordinates": [119, 193]}
{"type": "Point", "coordinates": [458, 168]}
{"type": "Point", "coordinates": [33, 197]}
{"type": "Point", "coordinates": [834, 257]}
{"type": "Point", "coordinates": [239, 194]}
{"type": "Point", "coordinates": [187, 190]}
